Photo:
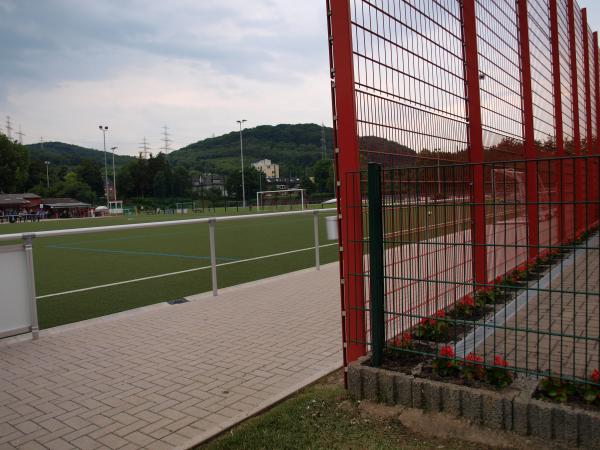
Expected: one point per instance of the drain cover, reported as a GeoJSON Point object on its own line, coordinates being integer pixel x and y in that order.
{"type": "Point", "coordinates": [177, 301]}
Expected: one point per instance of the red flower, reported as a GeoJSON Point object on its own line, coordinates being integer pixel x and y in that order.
{"type": "Point", "coordinates": [498, 280]}
{"type": "Point", "coordinates": [440, 313]}
{"type": "Point", "coordinates": [446, 351]}
{"type": "Point", "coordinates": [474, 358]}
{"type": "Point", "coordinates": [498, 361]}
{"type": "Point", "coordinates": [427, 322]}
{"type": "Point", "coordinates": [403, 341]}
{"type": "Point", "coordinates": [595, 376]}
{"type": "Point", "coordinates": [467, 301]}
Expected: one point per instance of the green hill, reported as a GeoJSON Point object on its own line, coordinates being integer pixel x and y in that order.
{"type": "Point", "coordinates": [61, 154]}
{"type": "Point", "coordinates": [293, 147]}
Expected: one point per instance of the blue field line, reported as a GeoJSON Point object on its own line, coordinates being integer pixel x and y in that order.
{"type": "Point", "coordinates": [136, 253]}
{"type": "Point", "coordinates": [130, 238]}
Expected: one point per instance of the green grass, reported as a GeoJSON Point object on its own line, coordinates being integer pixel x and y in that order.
{"type": "Point", "coordinates": [80, 261]}
{"type": "Point", "coordinates": [322, 417]}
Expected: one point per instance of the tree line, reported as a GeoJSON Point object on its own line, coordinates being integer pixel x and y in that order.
{"type": "Point", "coordinates": [156, 177]}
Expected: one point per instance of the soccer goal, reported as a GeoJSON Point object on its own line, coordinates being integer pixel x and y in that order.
{"type": "Point", "coordinates": [280, 199]}
{"type": "Point", "coordinates": [184, 208]}
{"type": "Point", "coordinates": [508, 186]}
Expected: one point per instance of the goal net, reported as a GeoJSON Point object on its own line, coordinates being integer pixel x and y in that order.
{"type": "Point", "coordinates": [281, 199]}
{"type": "Point", "coordinates": [184, 208]}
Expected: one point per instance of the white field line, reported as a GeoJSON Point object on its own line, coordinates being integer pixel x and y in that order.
{"type": "Point", "coordinates": [163, 275]}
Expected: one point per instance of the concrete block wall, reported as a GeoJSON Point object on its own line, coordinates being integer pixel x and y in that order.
{"type": "Point", "coordinates": [511, 410]}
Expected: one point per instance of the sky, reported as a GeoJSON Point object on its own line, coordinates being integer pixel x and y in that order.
{"type": "Point", "coordinates": [135, 66]}
{"type": "Point", "coordinates": [196, 66]}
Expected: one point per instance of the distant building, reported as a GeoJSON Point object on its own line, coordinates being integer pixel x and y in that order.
{"type": "Point", "coordinates": [271, 170]}
{"type": "Point", "coordinates": [18, 202]}
{"type": "Point", "coordinates": [209, 181]}
{"type": "Point", "coordinates": [282, 183]}
{"type": "Point", "coordinates": [65, 207]}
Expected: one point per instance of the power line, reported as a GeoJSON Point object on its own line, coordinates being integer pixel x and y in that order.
{"type": "Point", "coordinates": [323, 144]}
{"type": "Point", "coordinates": [145, 149]}
{"type": "Point", "coordinates": [8, 127]}
{"type": "Point", "coordinates": [166, 141]}
{"type": "Point", "coordinates": [20, 134]}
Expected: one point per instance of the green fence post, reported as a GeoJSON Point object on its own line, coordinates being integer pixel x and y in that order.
{"type": "Point", "coordinates": [376, 268]}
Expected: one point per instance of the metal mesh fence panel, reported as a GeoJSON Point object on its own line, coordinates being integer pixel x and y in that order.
{"type": "Point", "coordinates": [484, 118]}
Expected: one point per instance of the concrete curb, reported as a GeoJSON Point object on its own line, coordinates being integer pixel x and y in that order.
{"type": "Point", "coordinates": [511, 410]}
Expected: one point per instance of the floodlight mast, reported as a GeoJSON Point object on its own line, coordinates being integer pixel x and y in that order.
{"type": "Point", "coordinates": [104, 129]}
{"type": "Point", "coordinates": [241, 122]}
{"type": "Point", "coordinates": [114, 174]}
{"type": "Point", "coordinates": [47, 175]}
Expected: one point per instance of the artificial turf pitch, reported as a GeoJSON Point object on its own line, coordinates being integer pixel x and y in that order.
{"type": "Point", "coordinates": [74, 262]}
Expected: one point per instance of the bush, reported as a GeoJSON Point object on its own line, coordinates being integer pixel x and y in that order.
{"type": "Point", "coordinates": [404, 341]}
{"type": "Point", "coordinates": [432, 329]}
{"type": "Point", "coordinates": [445, 365]}
{"type": "Point", "coordinates": [472, 368]}
{"type": "Point", "coordinates": [465, 307]}
{"type": "Point", "coordinates": [499, 375]}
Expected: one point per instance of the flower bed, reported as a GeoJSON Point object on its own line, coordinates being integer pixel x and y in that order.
{"type": "Point", "coordinates": [584, 393]}
{"type": "Point", "coordinates": [426, 349]}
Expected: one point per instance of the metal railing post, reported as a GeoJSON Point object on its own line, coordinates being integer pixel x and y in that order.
{"type": "Point", "coordinates": [376, 275]}
{"type": "Point", "coordinates": [316, 229]}
{"type": "Point", "coordinates": [213, 256]}
{"type": "Point", "coordinates": [35, 329]}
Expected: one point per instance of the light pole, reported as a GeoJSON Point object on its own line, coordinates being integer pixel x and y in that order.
{"type": "Point", "coordinates": [47, 175]}
{"type": "Point", "coordinates": [241, 122]}
{"type": "Point", "coordinates": [104, 129]}
{"type": "Point", "coordinates": [114, 175]}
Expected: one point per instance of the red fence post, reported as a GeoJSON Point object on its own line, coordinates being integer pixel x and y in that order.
{"type": "Point", "coordinates": [596, 143]}
{"type": "Point", "coordinates": [586, 164]}
{"type": "Point", "coordinates": [597, 92]}
{"type": "Point", "coordinates": [579, 212]}
{"type": "Point", "coordinates": [475, 138]}
{"type": "Point", "coordinates": [528, 131]}
{"type": "Point", "coordinates": [558, 121]}
{"type": "Point", "coordinates": [347, 192]}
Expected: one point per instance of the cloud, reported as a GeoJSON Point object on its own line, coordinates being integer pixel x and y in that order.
{"type": "Point", "coordinates": [196, 65]}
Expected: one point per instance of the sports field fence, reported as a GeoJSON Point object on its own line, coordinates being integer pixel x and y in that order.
{"type": "Point", "coordinates": [484, 118]}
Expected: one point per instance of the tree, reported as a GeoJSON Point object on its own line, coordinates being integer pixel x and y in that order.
{"type": "Point", "coordinates": [125, 182]}
{"type": "Point", "coordinates": [36, 175]}
{"type": "Point", "coordinates": [159, 185]}
{"type": "Point", "coordinates": [71, 187]}
{"type": "Point", "coordinates": [182, 182]}
{"type": "Point", "coordinates": [90, 172]}
{"type": "Point", "coordinates": [323, 173]}
{"type": "Point", "coordinates": [252, 182]}
{"type": "Point", "coordinates": [14, 165]}
{"type": "Point", "coordinates": [307, 185]}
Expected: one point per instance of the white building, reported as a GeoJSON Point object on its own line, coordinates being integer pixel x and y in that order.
{"type": "Point", "coordinates": [271, 170]}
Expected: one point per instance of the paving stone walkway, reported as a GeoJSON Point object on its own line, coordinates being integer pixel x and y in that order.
{"type": "Point", "coordinates": [558, 329]}
{"type": "Point", "coordinates": [170, 376]}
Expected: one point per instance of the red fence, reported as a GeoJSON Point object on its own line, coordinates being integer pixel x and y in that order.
{"type": "Point", "coordinates": [439, 83]}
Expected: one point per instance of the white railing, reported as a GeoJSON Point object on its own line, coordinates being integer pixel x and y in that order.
{"type": "Point", "coordinates": [28, 237]}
